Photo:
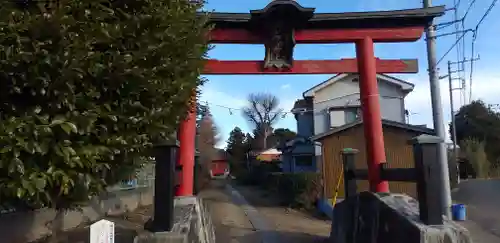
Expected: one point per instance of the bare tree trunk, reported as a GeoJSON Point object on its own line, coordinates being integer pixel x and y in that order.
{"type": "Point", "coordinates": [264, 142]}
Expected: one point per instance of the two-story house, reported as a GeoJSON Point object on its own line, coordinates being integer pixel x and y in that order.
{"type": "Point", "coordinates": [337, 100]}
{"type": "Point", "coordinates": [334, 103]}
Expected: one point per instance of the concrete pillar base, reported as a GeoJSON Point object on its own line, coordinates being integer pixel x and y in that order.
{"type": "Point", "coordinates": [192, 223]}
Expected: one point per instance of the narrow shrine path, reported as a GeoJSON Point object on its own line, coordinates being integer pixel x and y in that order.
{"type": "Point", "coordinates": [244, 214]}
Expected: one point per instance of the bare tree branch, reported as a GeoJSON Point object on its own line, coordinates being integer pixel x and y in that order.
{"type": "Point", "coordinates": [263, 112]}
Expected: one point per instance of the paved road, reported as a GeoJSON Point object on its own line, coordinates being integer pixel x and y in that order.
{"type": "Point", "coordinates": [482, 198]}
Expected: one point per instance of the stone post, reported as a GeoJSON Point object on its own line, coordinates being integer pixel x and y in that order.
{"type": "Point", "coordinates": [165, 181]}
{"type": "Point", "coordinates": [426, 156]}
{"type": "Point", "coordinates": [349, 163]}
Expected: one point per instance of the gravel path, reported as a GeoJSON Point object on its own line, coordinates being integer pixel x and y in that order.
{"type": "Point", "coordinates": [290, 225]}
{"type": "Point", "coordinates": [230, 221]}
{"type": "Point", "coordinates": [246, 214]}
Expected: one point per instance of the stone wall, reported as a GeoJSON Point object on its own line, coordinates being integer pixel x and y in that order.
{"type": "Point", "coordinates": [389, 218]}
{"type": "Point", "coordinates": [28, 226]}
{"type": "Point", "coordinates": [192, 224]}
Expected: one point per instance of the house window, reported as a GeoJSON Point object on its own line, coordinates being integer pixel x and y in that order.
{"type": "Point", "coordinates": [303, 160]}
{"type": "Point", "coordinates": [337, 118]}
{"type": "Point", "coordinates": [352, 114]}
{"type": "Point", "coordinates": [342, 116]}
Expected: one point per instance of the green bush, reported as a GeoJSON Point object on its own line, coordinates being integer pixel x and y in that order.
{"type": "Point", "coordinates": [474, 151]}
{"type": "Point", "coordinates": [298, 190]}
{"type": "Point", "coordinates": [86, 87]}
{"type": "Point", "coordinates": [258, 174]}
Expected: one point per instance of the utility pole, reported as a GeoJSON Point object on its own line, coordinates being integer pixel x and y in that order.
{"type": "Point", "coordinates": [452, 116]}
{"type": "Point", "coordinates": [452, 110]}
{"type": "Point", "coordinates": [437, 114]}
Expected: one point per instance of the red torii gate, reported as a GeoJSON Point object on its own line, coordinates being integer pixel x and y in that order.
{"type": "Point", "coordinates": [284, 23]}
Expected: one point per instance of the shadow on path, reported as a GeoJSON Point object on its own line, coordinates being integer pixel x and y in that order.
{"type": "Point", "coordinates": [282, 237]}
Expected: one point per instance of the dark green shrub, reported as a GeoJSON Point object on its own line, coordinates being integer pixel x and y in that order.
{"type": "Point", "coordinates": [299, 190]}
{"type": "Point", "coordinates": [86, 87]}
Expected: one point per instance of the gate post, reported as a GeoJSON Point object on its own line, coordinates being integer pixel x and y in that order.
{"type": "Point", "coordinates": [165, 182]}
{"type": "Point", "coordinates": [370, 105]}
{"type": "Point", "coordinates": [349, 165]}
{"type": "Point", "coordinates": [425, 153]}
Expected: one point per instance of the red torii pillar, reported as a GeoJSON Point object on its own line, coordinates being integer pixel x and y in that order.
{"type": "Point", "coordinates": [372, 119]}
{"type": "Point", "coordinates": [289, 23]}
{"type": "Point", "coordinates": [187, 151]}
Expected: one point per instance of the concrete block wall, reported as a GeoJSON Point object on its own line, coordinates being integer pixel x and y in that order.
{"type": "Point", "coordinates": [32, 225]}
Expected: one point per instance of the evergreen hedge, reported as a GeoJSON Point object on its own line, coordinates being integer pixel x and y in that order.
{"type": "Point", "coordinates": [87, 87]}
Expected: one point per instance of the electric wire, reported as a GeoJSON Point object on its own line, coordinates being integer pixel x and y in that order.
{"type": "Point", "coordinates": [474, 37]}
{"type": "Point", "coordinates": [297, 110]}
{"type": "Point", "coordinates": [459, 57]}
{"type": "Point", "coordinates": [453, 46]}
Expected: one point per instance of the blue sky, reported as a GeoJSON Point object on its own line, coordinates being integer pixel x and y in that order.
{"type": "Point", "coordinates": [231, 91]}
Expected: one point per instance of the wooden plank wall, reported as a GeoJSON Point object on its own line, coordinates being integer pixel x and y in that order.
{"type": "Point", "coordinates": [399, 154]}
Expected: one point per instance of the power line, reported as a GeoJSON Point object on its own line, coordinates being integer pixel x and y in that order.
{"type": "Point", "coordinates": [471, 71]}
{"type": "Point", "coordinates": [453, 33]}
{"type": "Point", "coordinates": [474, 37]}
{"type": "Point", "coordinates": [468, 9]}
{"type": "Point", "coordinates": [492, 5]}
{"type": "Point", "coordinates": [453, 46]}
{"type": "Point", "coordinates": [460, 26]}
{"type": "Point", "coordinates": [297, 110]}
{"type": "Point", "coordinates": [459, 43]}
{"type": "Point", "coordinates": [456, 20]}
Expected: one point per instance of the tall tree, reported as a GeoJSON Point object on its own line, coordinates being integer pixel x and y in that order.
{"type": "Point", "coordinates": [201, 111]}
{"type": "Point", "coordinates": [249, 141]}
{"type": "Point", "coordinates": [281, 135]}
{"type": "Point", "coordinates": [480, 122]}
{"type": "Point", "coordinates": [237, 149]}
{"type": "Point", "coordinates": [86, 88]}
{"type": "Point", "coordinates": [207, 140]}
{"type": "Point", "coordinates": [236, 143]}
{"type": "Point", "coordinates": [262, 112]}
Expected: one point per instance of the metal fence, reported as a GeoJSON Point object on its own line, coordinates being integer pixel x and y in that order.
{"type": "Point", "coordinates": [145, 177]}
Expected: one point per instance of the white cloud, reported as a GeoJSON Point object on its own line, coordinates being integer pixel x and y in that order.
{"type": "Point", "coordinates": [285, 86]}
{"type": "Point", "coordinates": [216, 97]}
{"type": "Point", "coordinates": [485, 86]}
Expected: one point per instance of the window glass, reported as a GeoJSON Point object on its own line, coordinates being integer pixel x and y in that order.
{"type": "Point", "coordinates": [352, 114]}
{"type": "Point", "coordinates": [303, 160]}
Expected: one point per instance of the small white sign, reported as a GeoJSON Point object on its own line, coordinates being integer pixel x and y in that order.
{"type": "Point", "coordinates": [102, 231]}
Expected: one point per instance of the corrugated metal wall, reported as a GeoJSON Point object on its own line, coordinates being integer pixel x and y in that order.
{"type": "Point", "coordinates": [399, 154]}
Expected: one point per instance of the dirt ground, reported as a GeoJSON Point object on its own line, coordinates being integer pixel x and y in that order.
{"type": "Point", "coordinates": [286, 225]}
{"type": "Point", "coordinates": [291, 225]}
{"type": "Point", "coordinates": [232, 225]}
